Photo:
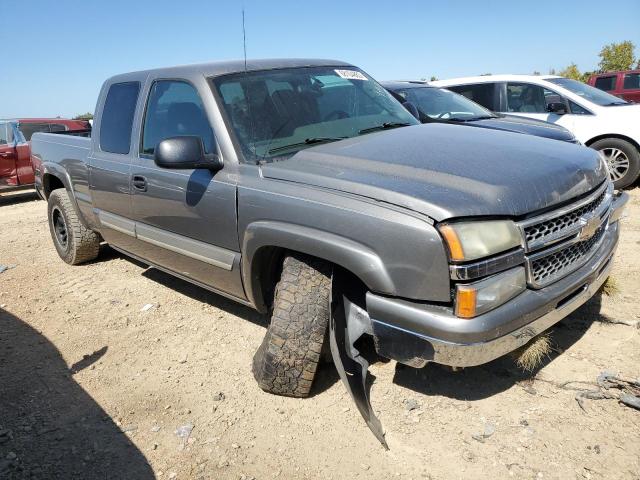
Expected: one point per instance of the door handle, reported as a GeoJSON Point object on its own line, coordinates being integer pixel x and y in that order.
{"type": "Point", "coordinates": [140, 183]}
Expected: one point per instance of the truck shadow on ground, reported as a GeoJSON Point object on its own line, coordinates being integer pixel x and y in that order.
{"type": "Point", "coordinates": [15, 198]}
{"type": "Point", "coordinates": [49, 426]}
{"type": "Point", "coordinates": [484, 381]}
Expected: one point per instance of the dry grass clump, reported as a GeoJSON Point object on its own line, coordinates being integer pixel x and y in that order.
{"type": "Point", "coordinates": [610, 287]}
{"type": "Point", "coordinates": [531, 355]}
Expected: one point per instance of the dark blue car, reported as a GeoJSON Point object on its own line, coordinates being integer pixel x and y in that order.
{"type": "Point", "coordinates": [433, 104]}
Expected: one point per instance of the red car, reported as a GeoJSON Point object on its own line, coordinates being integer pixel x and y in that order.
{"type": "Point", "coordinates": [621, 84]}
{"type": "Point", "coordinates": [16, 169]}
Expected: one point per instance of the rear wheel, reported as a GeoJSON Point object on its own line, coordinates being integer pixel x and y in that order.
{"type": "Point", "coordinates": [287, 360]}
{"type": "Point", "coordinates": [74, 242]}
{"type": "Point", "coordinates": [623, 160]}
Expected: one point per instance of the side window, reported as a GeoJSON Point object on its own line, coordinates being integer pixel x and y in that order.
{"type": "Point", "coordinates": [4, 137]}
{"type": "Point", "coordinates": [606, 83]}
{"type": "Point", "coordinates": [631, 81]}
{"type": "Point", "coordinates": [528, 98]}
{"type": "Point", "coordinates": [577, 109]}
{"type": "Point", "coordinates": [482, 93]}
{"type": "Point", "coordinates": [174, 109]}
{"type": "Point", "coordinates": [28, 129]}
{"type": "Point", "coordinates": [117, 117]}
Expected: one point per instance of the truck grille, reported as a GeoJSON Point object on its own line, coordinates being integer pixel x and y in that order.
{"type": "Point", "coordinates": [549, 268]}
{"type": "Point", "coordinates": [549, 228]}
{"type": "Point", "coordinates": [554, 241]}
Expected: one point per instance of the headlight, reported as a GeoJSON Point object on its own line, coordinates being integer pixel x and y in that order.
{"type": "Point", "coordinates": [473, 299]}
{"type": "Point", "coordinates": [473, 240]}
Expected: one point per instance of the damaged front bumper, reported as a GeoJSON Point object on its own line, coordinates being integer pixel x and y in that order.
{"type": "Point", "coordinates": [417, 333]}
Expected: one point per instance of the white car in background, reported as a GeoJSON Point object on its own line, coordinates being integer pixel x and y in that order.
{"type": "Point", "coordinates": [599, 120]}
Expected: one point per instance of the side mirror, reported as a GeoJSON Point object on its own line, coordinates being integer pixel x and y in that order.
{"type": "Point", "coordinates": [412, 109]}
{"type": "Point", "coordinates": [185, 152]}
{"type": "Point", "coordinates": [557, 107]}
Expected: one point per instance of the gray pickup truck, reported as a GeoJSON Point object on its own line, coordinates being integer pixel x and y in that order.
{"type": "Point", "coordinates": [301, 188]}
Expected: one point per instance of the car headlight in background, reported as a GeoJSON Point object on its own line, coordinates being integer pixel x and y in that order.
{"type": "Point", "coordinates": [472, 240]}
{"type": "Point", "coordinates": [473, 299]}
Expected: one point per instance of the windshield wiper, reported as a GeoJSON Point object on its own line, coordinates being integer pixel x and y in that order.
{"type": "Point", "coordinates": [385, 126]}
{"type": "Point", "coordinates": [307, 141]}
{"type": "Point", "coordinates": [472, 119]}
{"type": "Point", "coordinates": [615, 103]}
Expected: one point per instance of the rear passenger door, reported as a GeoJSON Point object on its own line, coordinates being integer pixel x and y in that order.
{"type": "Point", "coordinates": [110, 165]}
{"type": "Point", "coordinates": [185, 219]}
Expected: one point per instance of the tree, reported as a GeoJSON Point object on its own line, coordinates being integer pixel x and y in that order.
{"type": "Point", "coordinates": [617, 56]}
{"type": "Point", "coordinates": [536, 73]}
{"type": "Point", "coordinates": [572, 72]}
{"type": "Point", "coordinates": [433, 78]}
{"type": "Point", "coordinates": [84, 116]}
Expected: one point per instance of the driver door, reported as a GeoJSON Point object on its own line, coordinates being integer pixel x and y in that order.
{"type": "Point", "coordinates": [185, 219]}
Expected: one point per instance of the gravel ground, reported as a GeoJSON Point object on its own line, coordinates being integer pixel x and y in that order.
{"type": "Point", "coordinates": [113, 370]}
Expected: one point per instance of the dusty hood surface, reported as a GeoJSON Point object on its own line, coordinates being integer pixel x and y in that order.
{"type": "Point", "coordinates": [447, 171]}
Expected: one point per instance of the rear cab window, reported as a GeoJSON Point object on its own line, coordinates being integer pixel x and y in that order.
{"type": "Point", "coordinates": [117, 117]}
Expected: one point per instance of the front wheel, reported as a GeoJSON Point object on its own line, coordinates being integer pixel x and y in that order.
{"type": "Point", "coordinates": [623, 160]}
{"type": "Point", "coordinates": [74, 242]}
{"type": "Point", "coordinates": [287, 360]}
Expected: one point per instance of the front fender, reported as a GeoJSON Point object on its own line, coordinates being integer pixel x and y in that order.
{"type": "Point", "coordinates": [352, 256]}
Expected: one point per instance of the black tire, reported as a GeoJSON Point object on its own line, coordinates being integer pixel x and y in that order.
{"type": "Point", "coordinates": [74, 242]}
{"type": "Point", "coordinates": [287, 360]}
{"type": "Point", "coordinates": [622, 176]}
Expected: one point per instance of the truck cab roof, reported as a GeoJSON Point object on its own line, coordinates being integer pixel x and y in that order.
{"type": "Point", "coordinates": [214, 69]}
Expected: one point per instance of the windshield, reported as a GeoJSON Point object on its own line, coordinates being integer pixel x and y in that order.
{"type": "Point", "coordinates": [440, 104]}
{"type": "Point", "coordinates": [275, 113]}
{"type": "Point", "coordinates": [588, 92]}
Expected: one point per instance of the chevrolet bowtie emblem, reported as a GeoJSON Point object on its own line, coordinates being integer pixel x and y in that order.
{"type": "Point", "coordinates": [589, 228]}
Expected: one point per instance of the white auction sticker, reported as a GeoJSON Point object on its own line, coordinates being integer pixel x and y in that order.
{"type": "Point", "coordinates": [351, 74]}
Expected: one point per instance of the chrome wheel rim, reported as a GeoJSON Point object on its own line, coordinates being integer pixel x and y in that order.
{"type": "Point", "coordinates": [617, 161]}
{"type": "Point", "coordinates": [60, 228]}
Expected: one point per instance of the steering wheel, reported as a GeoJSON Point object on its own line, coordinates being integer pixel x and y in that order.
{"type": "Point", "coordinates": [338, 114]}
{"type": "Point", "coordinates": [443, 114]}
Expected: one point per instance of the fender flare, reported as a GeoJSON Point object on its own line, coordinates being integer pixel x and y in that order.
{"type": "Point", "coordinates": [55, 170]}
{"type": "Point", "coordinates": [354, 257]}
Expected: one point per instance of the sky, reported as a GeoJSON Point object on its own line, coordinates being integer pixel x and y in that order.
{"type": "Point", "coordinates": [58, 53]}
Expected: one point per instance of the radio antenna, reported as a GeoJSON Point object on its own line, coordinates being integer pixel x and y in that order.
{"type": "Point", "coordinates": [244, 41]}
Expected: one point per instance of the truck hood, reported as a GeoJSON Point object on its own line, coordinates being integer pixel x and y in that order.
{"type": "Point", "coordinates": [446, 171]}
{"type": "Point", "coordinates": [530, 126]}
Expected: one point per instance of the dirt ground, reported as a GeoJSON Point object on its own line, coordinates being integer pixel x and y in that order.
{"type": "Point", "coordinates": [93, 384]}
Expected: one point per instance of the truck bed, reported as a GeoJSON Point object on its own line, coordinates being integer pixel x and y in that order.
{"type": "Point", "coordinates": [61, 147]}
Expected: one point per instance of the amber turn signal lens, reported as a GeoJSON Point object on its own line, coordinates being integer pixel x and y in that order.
{"type": "Point", "coordinates": [455, 247]}
{"type": "Point", "coordinates": [466, 302]}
